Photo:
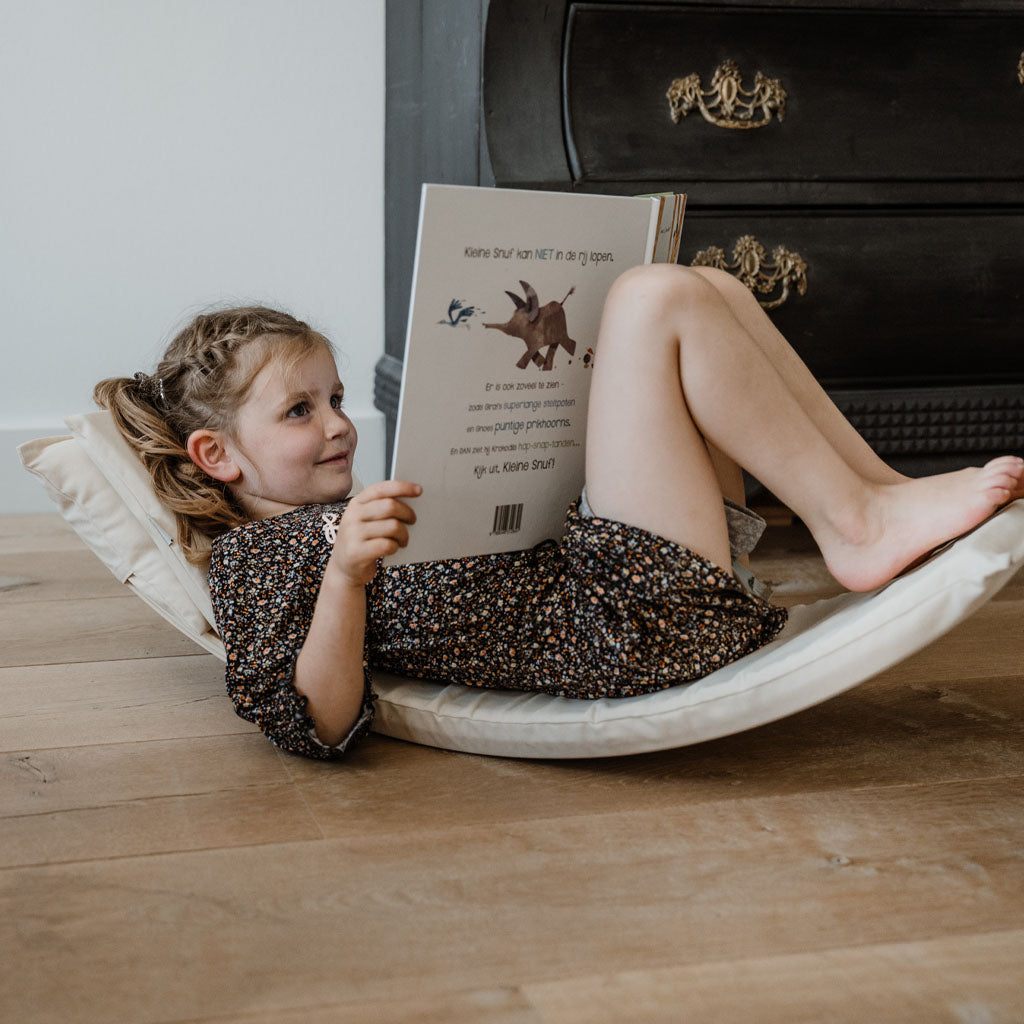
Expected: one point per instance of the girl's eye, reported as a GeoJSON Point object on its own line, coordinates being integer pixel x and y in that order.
{"type": "Point", "coordinates": [298, 410]}
{"type": "Point", "coordinates": [335, 401]}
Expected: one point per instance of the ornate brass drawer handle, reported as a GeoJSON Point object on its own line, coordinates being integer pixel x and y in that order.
{"type": "Point", "coordinates": [1020, 69]}
{"type": "Point", "coordinates": [731, 105]}
{"type": "Point", "coordinates": [751, 265]}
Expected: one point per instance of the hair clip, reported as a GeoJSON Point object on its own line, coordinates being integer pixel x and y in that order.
{"type": "Point", "coordinates": [330, 526]}
{"type": "Point", "coordinates": [152, 386]}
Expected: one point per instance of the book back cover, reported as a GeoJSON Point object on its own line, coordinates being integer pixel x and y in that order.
{"type": "Point", "coordinates": [508, 291]}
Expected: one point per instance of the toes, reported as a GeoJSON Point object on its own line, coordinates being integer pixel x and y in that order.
{"type": "Point", "coordinates": [1003, 479]}
{"type": "Point", "coordinates": [1005, 471]}
{"type": "Point", "coordinates": [1010, 463]}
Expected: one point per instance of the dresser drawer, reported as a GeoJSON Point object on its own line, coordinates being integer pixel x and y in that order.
{"type": "Point", "coordinates": [869, 94]}
{"type": "Point", "coordinates": [925, 298]}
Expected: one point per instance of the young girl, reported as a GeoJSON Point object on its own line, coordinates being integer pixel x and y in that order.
{"type": "Point", "coordinates": [243, 431]}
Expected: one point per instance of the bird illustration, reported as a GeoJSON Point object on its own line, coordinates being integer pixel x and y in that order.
{"type": "Point", "coordinates": [457, 314]}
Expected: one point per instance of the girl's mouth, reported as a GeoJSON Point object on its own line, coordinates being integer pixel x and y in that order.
{"type": "Point", "coordinates": [335, 460]}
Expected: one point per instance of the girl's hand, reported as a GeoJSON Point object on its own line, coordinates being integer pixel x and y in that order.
{"type": "Point", "coordinates": [374, 525]}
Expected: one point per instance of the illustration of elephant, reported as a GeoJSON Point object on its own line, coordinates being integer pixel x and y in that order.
{"type": "Point", "coordinates": [539, 327]}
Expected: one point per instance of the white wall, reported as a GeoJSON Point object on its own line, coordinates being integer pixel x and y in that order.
{"type": "Point", "coordinates": [158, 156]}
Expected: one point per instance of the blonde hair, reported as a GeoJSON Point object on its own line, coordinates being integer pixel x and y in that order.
{"type": "Point", "coordinates": [200, 383]}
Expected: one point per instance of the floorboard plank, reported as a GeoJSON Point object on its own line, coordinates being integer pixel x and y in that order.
{"type": "Point", "coordinates": [34, 782]}
{"type": "Point", "coordinates": [276, 927]}
{"type": "Point", "coordinates": [46, 706]}
{"type": "Point", "coordinates": [20, 533]}
{"type": "Point", "coordinates": [219, 820]}
{"type": "Point", "coordinates": [100, 629]}
{"type": "Point", "coordinates": [488, 1006]}
{"type": "Point", "coordinates": [990, 643]}
{"type": "Point", "coordinates": [960, 980]}
{"type": "Point", "coordinates": [56, 576]}
{"type": "Point", "coordinates": [81, 803]}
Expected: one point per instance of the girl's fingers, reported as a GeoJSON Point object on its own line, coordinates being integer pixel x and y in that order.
{"type": "Point", "coordinates": [374, 524]}
{"type": "Point", "coordinates": [358, 531]}
{"type": "Point", "coordinates": [367, 506]}
{"type": "Point", "coordinates": [383, 529]}
{"type": "Point", "coordinates": [385, 508]}
{"type": "Point", "coordinates": [388, 489]}
{"type": "Point", "coordinates": [379, 548]}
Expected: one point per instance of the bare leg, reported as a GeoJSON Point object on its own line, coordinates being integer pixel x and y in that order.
{"type": "Point", "coordinates": [647, 463]}
{"type": "Point", "coordinates": [822, 411]}
{"type": "Point", "coordinates": [857, 453]}
{"type": "Point", "coordinates": [800, 381]}
{"type": "Point", "coordinates": [676, 366]}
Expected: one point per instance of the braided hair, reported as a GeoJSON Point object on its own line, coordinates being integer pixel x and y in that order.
{"type": "Point", "coordinates": [200, 383]}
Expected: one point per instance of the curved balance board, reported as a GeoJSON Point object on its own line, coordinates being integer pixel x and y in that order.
{"type": "Point", "coordinates": [826, 648]}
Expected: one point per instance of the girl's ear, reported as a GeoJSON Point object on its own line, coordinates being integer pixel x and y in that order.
{"type": "Point", "coordinates": [206, 448]}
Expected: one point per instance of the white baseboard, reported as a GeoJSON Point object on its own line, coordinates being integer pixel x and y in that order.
{"type": "Point", "coordinates": [22, 494]}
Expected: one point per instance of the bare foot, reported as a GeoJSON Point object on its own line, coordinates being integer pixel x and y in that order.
{"type": "Point", "coordinates": [901, 522]}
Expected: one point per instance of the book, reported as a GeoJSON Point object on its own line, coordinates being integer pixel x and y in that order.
{"type": "Point", "coordinates": [507, 294]}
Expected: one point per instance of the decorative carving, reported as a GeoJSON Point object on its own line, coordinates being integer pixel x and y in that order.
{"type": "Point", "coordinates": [751, 266]}
{"type": "Point", "coordinates": [1020, 69]}
{"type": "Point", "coordinates": [731, 105]}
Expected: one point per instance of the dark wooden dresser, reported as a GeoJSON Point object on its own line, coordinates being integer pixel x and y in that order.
{"type": "Point", "coordinates": [860, 165]}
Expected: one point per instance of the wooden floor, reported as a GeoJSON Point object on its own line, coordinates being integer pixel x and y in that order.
{"type": "Point", "coordinates": [861, 861]}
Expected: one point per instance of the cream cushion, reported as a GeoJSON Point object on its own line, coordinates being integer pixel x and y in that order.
{"type": "Point", "coordinates": [102, 518]}
{"type": "Point", "coordinates": [827, 647]}
{"type": "Point", "coordinates": [126, 475]}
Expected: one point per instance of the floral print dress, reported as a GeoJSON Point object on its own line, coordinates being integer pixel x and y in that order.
{"type": "Point", "coordinates": [606, 611]}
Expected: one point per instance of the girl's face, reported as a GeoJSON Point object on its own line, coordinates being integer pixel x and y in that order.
{"type": "Point", "coordinates": [292, 442]}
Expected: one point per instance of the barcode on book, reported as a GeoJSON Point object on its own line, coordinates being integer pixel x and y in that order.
{"type": "Point", "coordinates": [507, 518]}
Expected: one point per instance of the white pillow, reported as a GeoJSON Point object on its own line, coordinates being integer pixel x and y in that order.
{"type": "Point", "coordinates": [99, 516]}
{"type": "Point", "coordinates": [827, 647]}
{"type": "Point", "coordinates": [98, 435]}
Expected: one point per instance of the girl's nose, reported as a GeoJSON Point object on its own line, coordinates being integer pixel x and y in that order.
{"type": "Point", "coordinates": [336, 423]}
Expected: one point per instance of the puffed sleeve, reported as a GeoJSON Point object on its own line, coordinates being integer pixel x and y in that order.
{"type": "Point", "coordinates": [264, 580]}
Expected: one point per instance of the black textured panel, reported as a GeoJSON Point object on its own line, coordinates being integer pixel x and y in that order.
{"type": "Point", "coordinates": [938, 421]}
